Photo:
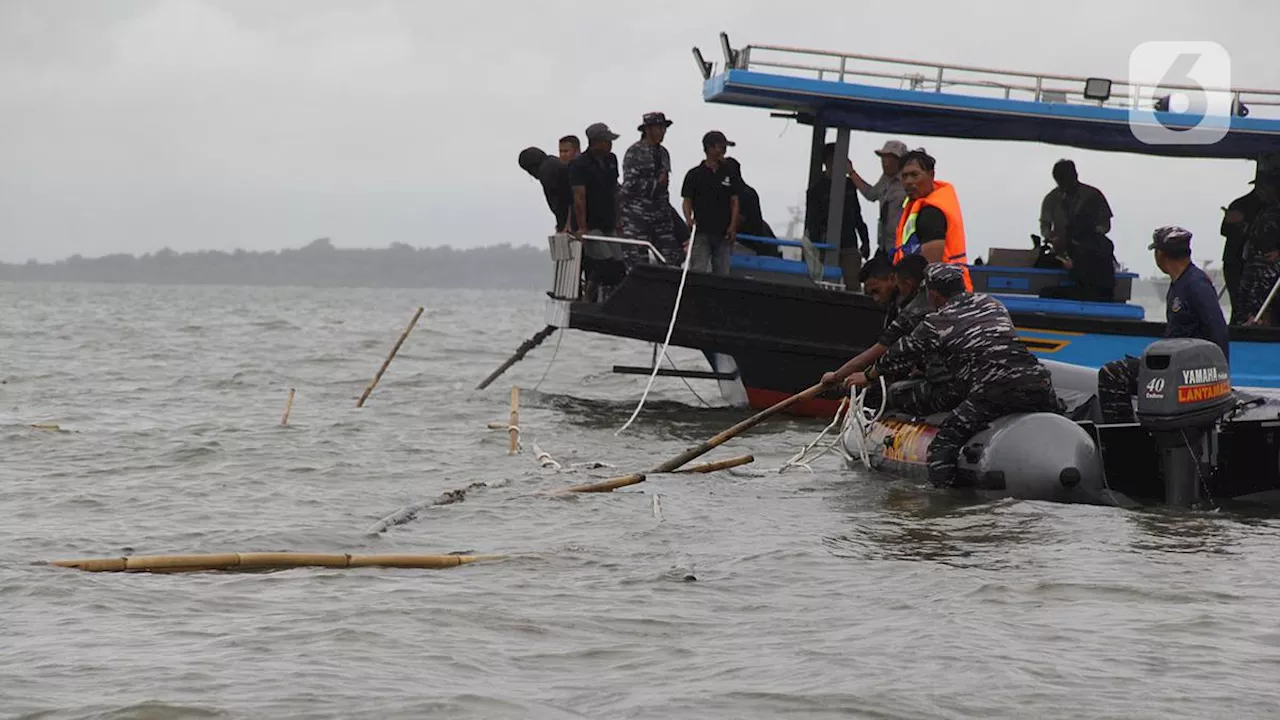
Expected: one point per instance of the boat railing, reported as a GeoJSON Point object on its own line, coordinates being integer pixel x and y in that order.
{"type": "Point", "coordinates": [566, 257]}
{"type": "Point", "coordinates": [937, 77]}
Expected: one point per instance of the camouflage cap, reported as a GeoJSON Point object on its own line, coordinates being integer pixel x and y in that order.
{"type": "Point", "coordinates": [1170, 237]}
{"type": "Point", "coordinates": [944, 277]}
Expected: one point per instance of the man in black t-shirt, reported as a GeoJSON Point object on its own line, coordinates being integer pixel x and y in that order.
{"type": "Point", "coordinates": [711, 207]}
{"type": "Point", "coordinates": [855, 239]}
{"type": "Point", "coordinates": [593, 175]}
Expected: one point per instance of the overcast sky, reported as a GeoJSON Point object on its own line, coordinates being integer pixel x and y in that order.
{"type": "Point", "coordinates": [131, 125]}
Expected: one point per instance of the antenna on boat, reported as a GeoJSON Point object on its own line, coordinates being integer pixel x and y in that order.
{"type": "Point", "coordinates": [704, 67]}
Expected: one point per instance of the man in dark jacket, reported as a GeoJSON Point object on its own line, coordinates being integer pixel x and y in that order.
{"type": "Point", "coordinates": [855, 239]}
{"type": "Point", "coordinates": [752, 217]}
{"type": "Point", "coordinates": [1262, 266]}
{"type": "Point", "coordinates": [995, 373]}
{"type": "Point", "coordinates": [1191, 311]}
{"type": "Point", "coordinates": [1235, 225]}
{"type": "Point", "coordinates": [553, 174]}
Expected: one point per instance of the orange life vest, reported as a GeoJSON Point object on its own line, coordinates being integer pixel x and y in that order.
{"type": "Point", "coordinates": [944, 198]}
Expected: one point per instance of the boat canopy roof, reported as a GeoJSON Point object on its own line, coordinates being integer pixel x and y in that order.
{"type": "Point", "coordinates": [884, 95]}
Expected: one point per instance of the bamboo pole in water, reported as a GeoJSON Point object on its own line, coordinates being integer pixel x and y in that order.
{"type": "Point", "coordinates": [265, 561]}
{"type": "Point", "coordinates": [288, 405]}
{"type": "Point", "coordinates": [604, 486]}
{"type": "Point", "coordinates": [387, 362]}
{"type": "Point", "coordinates": [514, 427]}
{"type": "Point", "coordinates": [718, 465]}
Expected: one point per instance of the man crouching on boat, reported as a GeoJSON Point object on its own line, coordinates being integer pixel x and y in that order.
{"type": "Point", "coordinates": [975, 337]}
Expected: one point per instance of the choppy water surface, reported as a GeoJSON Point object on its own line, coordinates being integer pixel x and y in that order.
{"type": "Point", "coordinates": [824, 594]}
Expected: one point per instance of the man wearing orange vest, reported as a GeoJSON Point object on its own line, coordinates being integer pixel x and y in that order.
{"type": "Point", "coordinates": [931, 224]}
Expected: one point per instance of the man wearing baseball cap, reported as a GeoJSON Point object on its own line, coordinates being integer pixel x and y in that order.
{"type": "Point", "coordinates": [593, 175]}
{"type": "Point", "coordinates": [710, 193]}
{"type": "Point", "coordinates": [973, 335]}
{"type": "Point", "coordinates": [646, 203]}
{"type": "Point", "coordinates": [1262, 264]}
{"type": "Point", "coordinates": [1191, 311]}
{"type": "Point", "coordinates": [887, 191]}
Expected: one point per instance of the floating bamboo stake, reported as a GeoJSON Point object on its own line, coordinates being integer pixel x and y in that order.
{"type": "Point", "coordinates": [698, 451]}
{"type": "Point", "coordinates": [265, 561]}
{"type": "Point", "coordinates": [387, 362]}
{"type": "Point", "coordinates": [514, 427]}
{"type": "Point", "coordinates": [288, 405]}
{"type": "Point", "coordinates": [604, 486]}
{"type": "Point", "coordinates": [543, 457]}
{"type": "Point", "coordinates": [498, 425]}
{"type": "Point", "coordinates": [718, 465]}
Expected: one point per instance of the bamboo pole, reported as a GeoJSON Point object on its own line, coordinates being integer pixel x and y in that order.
{"type": "Point", "coordinates": [603, 486]}
{"type": "Point", "coordinates": [514, 427]}
{"type": "Point", "coordinates": [718, 465]}
{"type": "Point", "coordinates": [525, 347]}
{"type": "Point", "coordinates": [265, 561]}
{"type": "Point", "coordinates": [387, 362]}
{"type": "Point", "coordinates": [698, 451]}
{"type": "Point", "coordinates": [288, 405]}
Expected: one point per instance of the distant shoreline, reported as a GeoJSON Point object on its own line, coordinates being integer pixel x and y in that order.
{"type": "Point", "coordinates": [318, 264]}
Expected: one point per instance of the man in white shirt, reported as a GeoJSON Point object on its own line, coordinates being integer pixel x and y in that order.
{"type": "Point", "coordinates": [888, 192]}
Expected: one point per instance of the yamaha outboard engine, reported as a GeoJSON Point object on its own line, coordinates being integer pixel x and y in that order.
{"type": "Point", "coordinates": [1184, 389]}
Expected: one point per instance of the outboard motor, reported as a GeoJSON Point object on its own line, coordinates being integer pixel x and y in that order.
{"type": "Point", "coordinates": [1184, 389]}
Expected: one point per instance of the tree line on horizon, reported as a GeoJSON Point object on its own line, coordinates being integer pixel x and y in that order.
{"type": "Point", "coordinates": [504, 266]}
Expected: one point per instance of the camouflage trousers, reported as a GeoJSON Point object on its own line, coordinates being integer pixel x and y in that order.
{"type": "Point", "coordinates": [921, 398]}
{"type": "Point", "coordinates": [976, 412]}
{"type": "Point", "coordinates": [1117, 384]}
{"type": "Point", "coordinates": [656, 227]}
{"type": "Point", "coordinates": [1255, 283]}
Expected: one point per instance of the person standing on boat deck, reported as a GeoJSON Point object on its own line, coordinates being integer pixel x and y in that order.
{"type": "Point", "coordinates": [888, 192]}
{"type": "Point", "coordinates": [751, 220]}
{"type": "Point", "coordinates": [1072, 201]}
{"type": "Point", "coordinates": [996, 374]}
{"type": "Point", "coordinates": [1191, 311]}
{"type": "Point", "coordinates": [593, 175]}
{"type": "Point", "coordinates": [711, 208]}
{"type": "Point", "coordinates": [1263, 265]}
{"type": "Point", "coordinates": [646, 202]}
{"type": "Point", "coordinates": [553, 174]}
{"type": "Point", "coordinates": [931, 224]}
{"type": "Point", "coordinates": [854, 243]}
{"type": "Point", "coordinates": [1236, 219]}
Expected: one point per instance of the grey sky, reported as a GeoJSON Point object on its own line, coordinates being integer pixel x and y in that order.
{"type": "Point", "coordinates": [129, 125]}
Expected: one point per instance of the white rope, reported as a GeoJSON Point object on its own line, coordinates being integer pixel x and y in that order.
{"type": "Point", "coordinates": [864, 421]}
{"type": "Point", "coordinates": [551, 362]}
{"type": "Point", "coordinates": [684, 273]}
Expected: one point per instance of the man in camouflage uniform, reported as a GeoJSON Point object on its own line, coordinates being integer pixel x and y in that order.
{"type": "Point", "coordinates": [975, 337]}
{"type": "Point", "coordinates": [1262, 264]}
{"type": "Point", "coordinates": [932, 390]}
{"type": "Point", "coordinates": [646, 203]}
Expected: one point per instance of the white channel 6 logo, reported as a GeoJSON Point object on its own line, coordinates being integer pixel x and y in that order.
{"type": "Point", "coordinates": [1190, 82]}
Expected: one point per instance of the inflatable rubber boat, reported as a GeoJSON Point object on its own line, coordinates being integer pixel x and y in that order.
{"type": "Point", "coordinates": [1197, 442]}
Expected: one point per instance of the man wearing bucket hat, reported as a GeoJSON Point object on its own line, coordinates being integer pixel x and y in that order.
{"type": "Point", "coordinates": [974, 336]}
{"type": "Point", "coordinates": [888, 192]}
{"type": "Point", "coordinates": [1191, 311]}
{"type": "Point", "coordinates": [646, 202]}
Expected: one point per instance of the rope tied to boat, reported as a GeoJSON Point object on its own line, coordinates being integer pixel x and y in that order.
{"type": "Point", "coordinates": [671, 326]}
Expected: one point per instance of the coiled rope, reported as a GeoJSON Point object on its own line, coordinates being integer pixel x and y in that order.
{"type": "Point", "coordinates": [852, 414]}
